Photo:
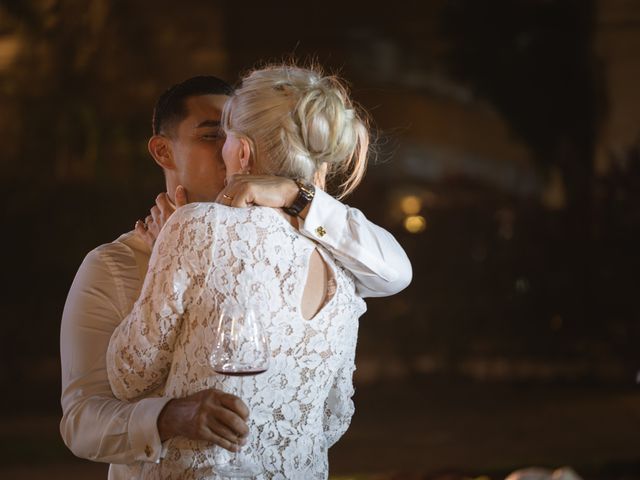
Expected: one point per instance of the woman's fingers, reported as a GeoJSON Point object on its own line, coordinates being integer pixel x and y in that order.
{"type": "Point", "coordinates": [157, 216]}
{"type": "Point", "coordinates": [150, 222]}
{"type": "Point", "coordinates": [143, 231]}
{"type": "Point", "coordinates": [224, 197]}
{"type": "Point", "coordinates": [181, 196]}
{"type": "Point", "coordinates": [141, 228]}
{"type": "Point", "coordinates": [238, 193]}
{"type": "Point", "coordinates": [164, 205]}
{"type": "Point", "coordinates": [265, 190]}
{"type": "Point", "coordinates": [150, 227]}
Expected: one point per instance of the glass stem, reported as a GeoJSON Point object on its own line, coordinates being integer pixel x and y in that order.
{"type": "Point", "coordinates": [238, 456]}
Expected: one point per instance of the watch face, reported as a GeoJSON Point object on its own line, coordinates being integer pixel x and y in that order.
{"type": "Point", "coordinates": [306, 193]}
{"type": "Point", "coordinates": [308, 189]}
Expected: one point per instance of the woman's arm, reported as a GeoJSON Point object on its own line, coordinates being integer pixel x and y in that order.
{"type": "Point", "coordinates": [373, 256]}
{"type": "Point", "coordinates": [370, 253]}
{"type": "Point", "coordinates": [141, 348]}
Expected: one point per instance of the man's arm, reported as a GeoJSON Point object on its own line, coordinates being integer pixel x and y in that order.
{"type": "Point", "coordinates": [95, 425]}
{"type": "Point", "coordinates": [374, 257]}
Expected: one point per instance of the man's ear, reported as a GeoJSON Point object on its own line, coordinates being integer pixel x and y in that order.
{"type": "Point", "coordinates": [246, 162]}
{"type": "Point", "coordinates": [160, 149]}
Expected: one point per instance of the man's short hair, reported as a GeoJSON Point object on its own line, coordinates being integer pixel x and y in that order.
{"type": "Point", "coordinates": [170, 108]}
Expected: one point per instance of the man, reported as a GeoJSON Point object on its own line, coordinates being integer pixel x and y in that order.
{"type": "Point", "coordinates": [187, 144]}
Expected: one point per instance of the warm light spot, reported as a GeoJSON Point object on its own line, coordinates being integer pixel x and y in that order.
{"type": "Point", "coordinates": [415, 224]}
{"type": "Point", "coordinates": [554, 196]}
{"type": "Point", "coordinates": [522, 285]}
{"type": "Point", "coordinates": [556, 322]}
{"type": "Point", "coordinates": [10, 46]}
{"type": "Point", "coordinates": [411, 205]}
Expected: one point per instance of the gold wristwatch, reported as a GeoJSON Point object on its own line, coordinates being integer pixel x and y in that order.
{"type": "Point", "coordinates": [306, 192]}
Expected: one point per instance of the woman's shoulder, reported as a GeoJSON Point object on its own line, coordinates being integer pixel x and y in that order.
{"type": "Point", "coordinates": [267, 220]}
{"type": "Point", "coordinates": [196, 208]}
{"type": "Point", "coordinates": [192, 217]}
{"type": "Point", "coordinates": [259, 216]}
{"type": "Point", "coordinates": [199, 211]}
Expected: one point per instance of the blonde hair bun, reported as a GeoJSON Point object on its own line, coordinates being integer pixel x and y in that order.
{"type": "Point", "coordinates": [296, 119]}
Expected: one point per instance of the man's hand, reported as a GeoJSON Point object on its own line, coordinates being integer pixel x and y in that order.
{"type": "Point", "coordinates": [263, 190]}
{"type": "Point", "coordinates": [211, 415]}
{"type": "Point", "coordinates": [149, 229]}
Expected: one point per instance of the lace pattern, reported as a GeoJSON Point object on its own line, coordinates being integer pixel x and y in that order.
{"type": "Point", "coordinates": [208, 254]}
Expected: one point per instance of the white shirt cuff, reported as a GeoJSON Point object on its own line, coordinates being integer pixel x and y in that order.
{"type": "Point", "coordinates": [143, 429]}
{"type": "Point", "coordinates": [326, 220]}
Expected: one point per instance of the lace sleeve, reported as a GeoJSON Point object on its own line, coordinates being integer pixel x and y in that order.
{"type": "Point", "coordinates": [338, 407]}
{"type": "Point", "coordinates": [141, 347]}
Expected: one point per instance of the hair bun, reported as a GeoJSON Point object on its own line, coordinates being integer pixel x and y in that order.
{"type": "Point", "coordinates": [298, 119]}
{"type": "Point", "coordinates": [325, 119]}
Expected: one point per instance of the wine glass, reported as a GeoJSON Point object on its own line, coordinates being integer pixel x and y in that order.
{"type": "Point", "coordinates": [240, 349]}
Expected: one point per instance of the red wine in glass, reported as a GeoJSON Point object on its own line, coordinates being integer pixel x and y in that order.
{"type": "Point", "coordinates": [240, 350]}
{"type": "Point", "coordinates": [243, 373]}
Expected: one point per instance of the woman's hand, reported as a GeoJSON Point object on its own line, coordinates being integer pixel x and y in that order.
{"type": "Point", "coordinates": [263, 190]}
{"type": "Point", "coordinates": [149, 229]}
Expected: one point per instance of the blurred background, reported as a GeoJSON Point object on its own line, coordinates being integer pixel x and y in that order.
{"type": "Point", "coordinates": [508, 167]}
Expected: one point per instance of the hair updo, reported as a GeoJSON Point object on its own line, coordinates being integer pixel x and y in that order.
{"type": "Point", "coordinates": [295, 120]}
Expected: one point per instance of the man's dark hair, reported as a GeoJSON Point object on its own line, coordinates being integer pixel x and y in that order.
{"type": "Point", "coordinates": [170, 108]}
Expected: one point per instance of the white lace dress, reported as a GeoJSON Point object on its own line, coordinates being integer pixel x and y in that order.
{"type": "Point", "coordinates": [207, 253]}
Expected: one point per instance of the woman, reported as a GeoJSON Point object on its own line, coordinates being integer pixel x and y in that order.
{"type": "Point", "coordinates": [284, 121]}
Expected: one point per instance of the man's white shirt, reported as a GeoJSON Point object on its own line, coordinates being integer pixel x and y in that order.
{"type": "Point", "coordinates": [97, 426]}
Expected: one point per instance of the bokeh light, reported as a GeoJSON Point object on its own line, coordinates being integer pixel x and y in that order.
{"type": "Point", "coordinates": [415, 223]}
{"type": "Point", "coordinates": [411, 205]}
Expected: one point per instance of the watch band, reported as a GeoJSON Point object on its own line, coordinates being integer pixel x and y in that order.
{"type": "Point", "coordinates": [306, 192]}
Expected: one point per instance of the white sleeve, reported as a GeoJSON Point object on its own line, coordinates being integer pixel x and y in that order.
{"type": "Point", "coordinates": [372, 255]}
{"type": "Point", "coordinates": [141, 348]}
{"type": "Point", "coordinates": [95, 425]}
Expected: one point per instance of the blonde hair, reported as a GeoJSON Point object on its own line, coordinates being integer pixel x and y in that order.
{"type": "Point", "coordinates": [295, 120]}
